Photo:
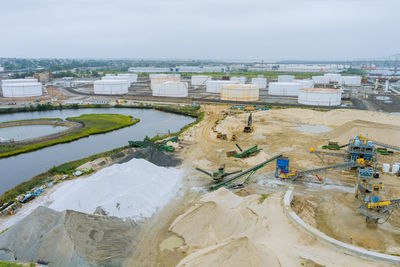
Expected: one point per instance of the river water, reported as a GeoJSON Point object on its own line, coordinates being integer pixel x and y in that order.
{"type": "Point", "coordinates": [19, 133]}
{"type": "Point", "coordinates": [17, 169]}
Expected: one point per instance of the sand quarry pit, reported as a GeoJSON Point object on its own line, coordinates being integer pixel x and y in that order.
{"type": "Point", "coordinates": [330, 207]}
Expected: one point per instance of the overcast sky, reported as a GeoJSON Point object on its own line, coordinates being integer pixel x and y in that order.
{"type": "Point", "coordinates": [200, 29]}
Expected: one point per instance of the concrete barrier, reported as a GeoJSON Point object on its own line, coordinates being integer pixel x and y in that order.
{"type": "Point", "coordinates": [346, 248]}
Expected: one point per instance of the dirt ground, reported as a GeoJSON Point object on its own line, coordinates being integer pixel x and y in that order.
{"type": "Point", "coordinates": [331, 207]}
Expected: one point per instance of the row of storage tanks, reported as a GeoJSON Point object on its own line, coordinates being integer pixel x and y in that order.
{"type": "Point", "coordinates": [21, 87]}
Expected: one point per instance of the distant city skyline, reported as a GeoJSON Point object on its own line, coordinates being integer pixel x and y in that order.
{"type": "Point", "coordinates": [232, 30]}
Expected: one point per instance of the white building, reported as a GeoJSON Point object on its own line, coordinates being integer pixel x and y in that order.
{"type": "Point", "coordinates": [111, 87]}
{"type": "Point", "coordinates": [285, 78]}
{"type": "Point", "coordinates": [240, 92]}
{"type": "Point", "coordinates": [261, 82]}
{"type": "Point", "coordinates": [320, 96]}
{"type": "Point", "coordinates": [171, 89]}
{"type": "Point", "coordinates": [21, 88]}
{"type": "Point", "coordinates": [215, 86]}
{"type": "Point", "coordinates": [131, 76]}
{"type": "Point", "coordinates": [200, 79]}
{"type": "Point", "coordinates": [286, 89]}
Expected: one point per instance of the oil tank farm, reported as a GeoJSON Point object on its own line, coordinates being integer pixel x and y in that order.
{"type": "Point", "coordinates": [21, 88]}
{"type": "Point", "coordinates": [215, 86]}
{"type": "Point", "coordinates": [240, 79]}
{"type": "Point", "coordinates": [240, 92]}
{"type": "Point", "coordinates": [351, 81]}
{"type": "Point", "coordinates": [111, 87]}
{"type": "Point", "coordinates": [261, 82]}
{"type": "Point", "coordinates": [285, 78]}
{"type": "Point", "coordinates": [171, 89]}
{"type": "Point", "coordinates": [320, 96]}
{"type": "Point", "coordinates": [200, 79]}
{"type": "Point", "coordinates": [284, 88]}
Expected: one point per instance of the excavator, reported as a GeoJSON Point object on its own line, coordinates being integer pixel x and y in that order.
{"type": "Point", "coordinates": [249, 127]}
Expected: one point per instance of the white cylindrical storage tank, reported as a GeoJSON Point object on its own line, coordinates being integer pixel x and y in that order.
{"type": "Point", "coordinates": [351, 80]}
{"type": "Point", "coordinates": [260, 82]}
{"type": "Point", "coordinates": [157, 83]}
{"type": "Point", "coordinates": [320, 80]}
{"type": "Point", "coordinates": [132, 77]}
{"type": "Point", "coordinates": [240, 92]}
{"type": "Point", "coordinates": [306, 83]}
{"type": "Point", "coordinates": [200, 79]}
{"type": "Point", "coordinates": [288, 89]}
{"type": "Point", "coordinates": [240, 79]}
{"type": "Point", "coordinates": [111, 87]}
{"type": "Point", "coordinates": [395, 168]}
{"type": "Point", "coordinates": [215, 86]}
{"type": "Point", "coordinates": [28, 80]}
{"type": "Point", "coordinates": [320, 96]}
{"type": "Point", "coordinates": [161, 75]}
{"type": "Point", "coordinates": [19, 89]}
{"type": "Point", "coordinates": [171, 89]}
{"type": "Point", "coordinates": [386, 167]}
{"type": "Point", "coordinates": [285, 78]}
{"type": "Point", "coordinates": [333, 77]}
{"type": "Point", "coordinates": [115, 77]}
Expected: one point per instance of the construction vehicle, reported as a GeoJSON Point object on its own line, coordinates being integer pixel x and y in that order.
{"type": "Point", "coordinates": [244, 154]}
{"type": "Point", "coordinates": [234, 137]}
{"type": "Point", "coordinates": [384, 151]}
{"type": "Point", "coordinates": [249, 127]}
{"type": "Point", "coordinates": [333, 146]}
{"type": "Point", "coordinates": [219, 175]}
{"type": "Point", "coordinates": [246, 175]}
{"type": "Point", "coordinates": [222, 136]}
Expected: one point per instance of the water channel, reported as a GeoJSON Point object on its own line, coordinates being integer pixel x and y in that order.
{"type": "Point", "coordinates": [17, 169]}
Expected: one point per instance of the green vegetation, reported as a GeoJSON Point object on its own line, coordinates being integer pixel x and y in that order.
{"type": "Point", "coordinates": [10, 264]}
{"type": "Point", "coordinates": [93, 124]}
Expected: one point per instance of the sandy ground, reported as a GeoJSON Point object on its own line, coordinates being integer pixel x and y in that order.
{"type": "Point", "coordinates": [293, 132]}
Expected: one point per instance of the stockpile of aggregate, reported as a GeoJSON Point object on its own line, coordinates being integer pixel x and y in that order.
{"type": "Point", "coordinates": [155, 156]}
{"type": "Point", "coordinates": [68, 238]}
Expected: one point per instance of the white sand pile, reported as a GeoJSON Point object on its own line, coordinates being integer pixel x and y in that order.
{"type": "Point", "coordinates": [135, 190]}
{"type": "Point", "coordinates": [223, 230]}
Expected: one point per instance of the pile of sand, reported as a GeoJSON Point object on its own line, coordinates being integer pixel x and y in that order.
{"type": "Point", "coordinates": [222, 230]}
{"type": "Point", "coordinates": [68, 238]}
{"type": "Point", "coordinates": [135, 190]}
